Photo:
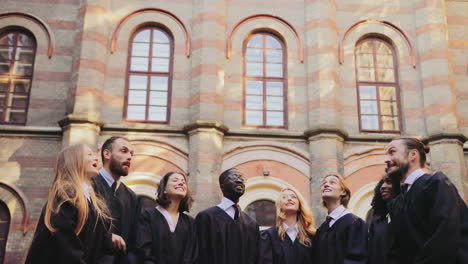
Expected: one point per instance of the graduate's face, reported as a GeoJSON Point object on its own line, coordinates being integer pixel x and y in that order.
{"type": "Point", "coordinates": [233, 185]}
{"type": "Point", "coordinates": [176, 186]}
{"type": "Point", "coordinates": [397, 158]}
{"type": "Point", "coordinates": [90, 163]}
{"type": "Point", "coordinates": [331, 188]}
{"type": "Point", "coordinates": [119, 157]}
{"type": "Point", "coordinates": [386, 190]}
{"type": "Point", "coordinates": [289, 202]}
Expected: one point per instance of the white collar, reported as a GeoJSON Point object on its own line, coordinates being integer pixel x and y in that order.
{"type": "Point", "coordinates": [337, 213]}
{"type": "Point", "coordinates": [294, 228]}
{"type": "Point", "coordinates": [168, 217]}
{"type": "Point", "coordinates": [225, 204]}
{"type": "Point", "coordinates": [108, 178]}
{"type": "Point", "coordinates": [87, 189]}
{"type": "Point", "coordinates": [414, 176]}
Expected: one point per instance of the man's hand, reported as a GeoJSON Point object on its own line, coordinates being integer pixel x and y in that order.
{"type": "Point", "coordinates": [118, 243]}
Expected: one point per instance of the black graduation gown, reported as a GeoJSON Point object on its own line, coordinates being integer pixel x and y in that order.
{"type": "Point", "coordinates": [430, 223]}
{"type": "Point", "coordinates": [64, 246]}
{"type": "Point", "coordinates": [343, 243]}
{"type": "Point", "coordinates": [125, 210]}
{"type": "Point", "coordinates": [380, 239]}
{"type": "Point", "coordinates": [159, 245]}
{"type": "Point", "coordinates": [273, 250]}
{"type": "Point", "coordinates": [223, 240]}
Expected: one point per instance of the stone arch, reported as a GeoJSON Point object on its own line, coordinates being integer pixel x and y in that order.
{"type": "Point", "coordinates": [370, 27]}
{"type": "Point", "coordinates": [11, 195]}
{"type": "Point", "coordinates": [364, 167]}
{"type": "Point", "coordinates": [41, 31]}
{"type": "Point", "coordinates": [360, 202]}
{"type": "Point", "coordinates": [140, 17]}
{"type": "Point", "coordinates": [267, 22]}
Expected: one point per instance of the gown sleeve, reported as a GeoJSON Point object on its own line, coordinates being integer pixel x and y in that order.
{"type": "Point", "coordinates": [265, 249]}
{"type": "Point", "coordinates": [204, 233]}
{"type": "Point", "coordinates": [145, 239]}
{"type": "Point", "coordinates": [444, 225]}
{"type": "Point", "coordinates": [69, 247]}
{"type": "Point", "coordinates": [356, 252]}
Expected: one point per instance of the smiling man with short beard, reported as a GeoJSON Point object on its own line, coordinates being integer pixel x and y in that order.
{"type": "Point", "coordinates": [116, 153]}
{"type": "Point", "coordinates": [429, 219]}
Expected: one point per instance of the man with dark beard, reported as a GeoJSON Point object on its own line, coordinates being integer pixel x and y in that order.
{"type": "Point", "coordinates": [116, 154]}
{"type": "Point", "coordinates": [429, 219]}
{"type": "Point", "coordinates": [226, 235]}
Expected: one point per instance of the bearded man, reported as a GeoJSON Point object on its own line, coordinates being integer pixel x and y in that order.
{"type": "Point", "coordinates": [429, 219]}
{"type": "Point", "coordinates": [116, 154]}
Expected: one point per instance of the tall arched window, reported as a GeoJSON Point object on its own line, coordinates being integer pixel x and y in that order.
{"type": "Point", "coordinates": [265, 90]}
{"type": "Point", "coordinates": [17, 53]}
{"type": "Point", "coordinates": [377, 84]}
{"type": "Point", "coordinates": [149, 76]}
{"type": "Point", "coordinates": [263, 211]}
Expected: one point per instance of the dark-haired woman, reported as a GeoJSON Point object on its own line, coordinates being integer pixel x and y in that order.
{"type": "Point", "coordinates": [380, 237]}
{"type": "Point", "coordinates": [166, 233]}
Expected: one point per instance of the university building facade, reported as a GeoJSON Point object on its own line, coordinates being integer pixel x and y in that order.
{"type": "Point", "coordinates": [286, 91]}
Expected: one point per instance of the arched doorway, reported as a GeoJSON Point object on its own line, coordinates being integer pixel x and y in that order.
{"type": "Point", "coordinates": [4, 228]}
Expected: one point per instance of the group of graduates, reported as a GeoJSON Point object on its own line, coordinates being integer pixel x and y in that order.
{"type": "Point", "coordinates": [92, 217]}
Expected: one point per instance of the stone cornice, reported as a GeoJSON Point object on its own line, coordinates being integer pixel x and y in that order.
{"type": "Point", "coordinates": [206, 124]}
{"type": "Point", "coordinates": [315, 132]}
{"type": "Point", "coordinates": [441, 136]}
{"type": "Point", "coordinates": [74, 119]}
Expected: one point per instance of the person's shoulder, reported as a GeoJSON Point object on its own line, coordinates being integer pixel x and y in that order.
{"type": "Point", "coordinates": [431, 180]}
{"type": "Point", "coordinates": [129, 191]}
{"type": "Point", "coordinates": [268, 233]}
{"type": "Point", "coordinates": [210, 210]}
{"type": "Point", "coordinates": [186, 216]}
{"type": "Point", "coordinates": [248, 220]}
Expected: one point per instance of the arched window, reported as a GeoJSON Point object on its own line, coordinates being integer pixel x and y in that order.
{"type": "Point", "coordinates": [149, 76]}
{"type": "Point", "coordinates": [265, 90]}
{"type": "Point", "coordinates": [377, 84]}
{"type": "Point", "coordinates": [263, 211]}
{"type": "Point", "coordinates": [17, 53]}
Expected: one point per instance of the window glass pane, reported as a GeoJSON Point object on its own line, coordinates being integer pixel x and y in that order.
{"type": "Point", "coordinates": [17, 117]}
{"type": "Point", "coordinates": [4, 67]}
{"type": "Point", "coordinates": [274, 70]}
{"type": "Point", "coordinates": [366, 74]}
{"type": "Point", "coordinates": [2, 101]}
{"type": "Point", "coordinates": [365, 60]}
{"type": "Point", "coordinates": [272, 42]}
{"type": "Point", "coordinates": [367, 92]}
{"type": "Point", "coordinates": [137, 97]}
{"type": "Point", "coordinates": [159, 83]}
{"type": "Point", "coordinates": [8, 40]}
{"type": "Point", "coordinates": [140, 49]}
{"type": "Point", "coordinates": [254, 54]}
{"type": "Point", "coordinates": [369, 122]}
{"type": "Point", "coordinates": [136, 112]}
{"type": "Point", "coordinates": [161, 50]}
{"type": "Point", "coordinates": [381, 48]}
{"type": "Point", "coordinates": [158, 98]}
{"type": "Point", "coordinates": [24, 40]}
{"type": "Point", "coordinates": [387, 93]}
{"type": "Point", "coordinates": [157, 113]}
{"type": "Point", "coordinates": [160, 37]}
{"type": "Point", "coordinates": [256, 41]}
{"type": "Point", "coordinates": [21, 86]}
{"type": "Point", "coordinates": [254, 69]}
{"type": "Point", "coordinates": [253, 117]}
{"type": "Point", "coordinates": [138, 82]}
{"type": "Point", "coordinates": [386, 75]}
{"type": "Point", "coordinates": [19, 102]}
{"type": "Point", "coordinates": [254, 87]}
{"type": "Point", "coordinates": [274, 103]}
{"type": "Point", "coordinates": [142, 36]}
{"type": "Point", "coordinates": [274, 118]}
{"type": "Point", "coordinates": [385, 61]}
{"type": "Point", "coordinates": [390, 123]}
{"type": "Point", "coordinates": [274, 88]}
{"type": "Point", "coordinates": [160, 65]}
{"type": "Point", "coordinates": [263, 211]}
{"type": "Point", "coordinates": [139, 64]}
{"type": "Point", "coordinates": [23, 68]}
{"type": "Point", "coordinates": [3, 85]}
{"type": "Point", "coordinates": [254, 102]}
{"type": "Point", "coordinates": [368, 107]}
{"type": "Point", "coordinates": [365, 47]}
{"type": "Point", "coordinates": [388, 108]}
{"type": "Point", "coordinates": [23, 54]}
{"type": "Point", "coordinates": [274, 55]}
{"type": "Point", "coordinates": [6, 53]}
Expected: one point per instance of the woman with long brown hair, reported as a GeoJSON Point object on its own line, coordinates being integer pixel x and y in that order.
{"type": "Point", "coordinates": [290, 241]}
{"type": "Point", "coordinates": [71, 227]}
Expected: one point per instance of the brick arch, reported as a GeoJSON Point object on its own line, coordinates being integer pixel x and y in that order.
{"type": "Point", "coordinates": [364, 167]}
{"type": "Point", "coordinates": [9, 192]}
{"type": "Point", "coordinates": [279, 170]}
{"type": "Point", "coordinates": [173, 17]}
{"type": "Point", "coordinates": [24, 20]}
{"type": "Point", "coordinates": [275, 23]}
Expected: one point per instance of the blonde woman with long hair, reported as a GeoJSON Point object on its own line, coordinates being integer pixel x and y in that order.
{"type": "Point", "coordinates": [290, 241]}
{"type": "Point", "coordinates": [71, 228]}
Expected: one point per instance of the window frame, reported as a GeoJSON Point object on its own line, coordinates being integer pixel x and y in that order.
{"type": "Point", "coordinates": [264, 79]}
{"type": "Point", "coordinates": [10, 76]}
{"type": "Point", "coordinates": [149, 74]}
{"type": "Point", "coordinates": [377, 84]}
